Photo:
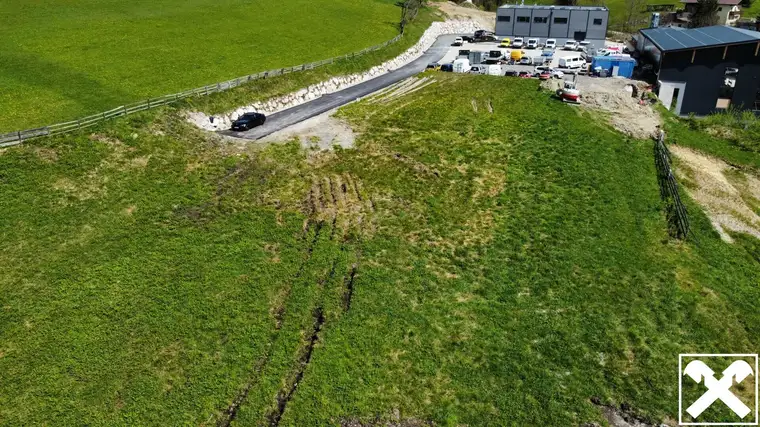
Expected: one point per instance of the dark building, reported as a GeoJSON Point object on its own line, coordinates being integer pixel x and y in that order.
{"type": "Point", "coordinates": [704, 70]}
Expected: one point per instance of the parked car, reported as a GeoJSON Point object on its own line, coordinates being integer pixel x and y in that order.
{"type": "Point", "coordinates": [511, 73]}
{"type": "Point", "coordinates": [505, 42]}
{"type": "Point", "coordinates": [458, 41]}
{"type": "Point", "coordinates": [433, 66]}
{"type": "Point", "coordinates": [583, 46]}
{"type": "Point", "coordinates": [248, 121]}
{"type": "Point", "coordinates": [525, 74]}
{"type": "Point", "coordinates": [448, 68]}
{"type": "Point", "coordinates": [550, 44]}
{"type": "Point", "coordinates": [517, 43]}
{"type": "Point", "coordinates": [484, 36]}
{"type": "Point", "coordinates": [553, 72]}
{"type": "Point", "coordinates": [477, 69]}
{"type": "Point", "coordinates": [532, 44]}
{"type": "Point", "coordinates": [467, 39]}
{"type": "Point", "coordinates": [570, 45]}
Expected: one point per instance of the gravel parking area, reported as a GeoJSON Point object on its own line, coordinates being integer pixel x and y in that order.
{"type": "Point", "coordinates": [453, 53]}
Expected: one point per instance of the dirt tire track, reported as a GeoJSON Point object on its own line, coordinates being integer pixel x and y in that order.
{"type": "Point", "coordinates": [229, 414]}
{"type": "Point", "coordinates": [284, 395]}
{"type": "Point", "coordinates": [348, 286]}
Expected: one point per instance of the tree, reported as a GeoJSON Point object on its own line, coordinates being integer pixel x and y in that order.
{"type": "Point", "coordinates": [633, 9]}
{"type": "Point", "coordinates": [705, 14]}
{"type": "Point", "coordinates": [746, 4]}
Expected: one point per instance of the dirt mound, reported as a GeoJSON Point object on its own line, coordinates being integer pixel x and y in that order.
{"type": "Point", "coordinates": [485, 20]}
{"type": "Point", "coordinates": [622, 98]}
{"type": "Point", "coordinates": [726, 193]}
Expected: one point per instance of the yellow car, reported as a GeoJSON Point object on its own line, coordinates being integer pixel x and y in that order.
{"type": "Point", "coordinates": [506, 42]}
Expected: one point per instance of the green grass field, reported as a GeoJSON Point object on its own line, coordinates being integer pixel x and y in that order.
{"type": "Point", "coordinates": [66, 59]}
{"type": "Point", "coordinates": [486, 255]}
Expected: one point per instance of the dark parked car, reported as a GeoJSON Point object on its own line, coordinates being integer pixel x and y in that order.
{"type": "Point", "coordinates": [447, 67]}
{"type": "Point", "coordinates": [511, 73]}
{"type": "Point", "coordinates": [248, 121]}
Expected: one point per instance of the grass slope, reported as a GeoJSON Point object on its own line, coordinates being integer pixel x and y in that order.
{"type": "Point", "coordinates": [72, 58]}
{"type": "Point", "coordinates": [510, 265]}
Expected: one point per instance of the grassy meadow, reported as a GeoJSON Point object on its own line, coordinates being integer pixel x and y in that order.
{"type": "Point", "coordinates": [65, 59]}
{"type": "Point", "coordinates": [485, 254]}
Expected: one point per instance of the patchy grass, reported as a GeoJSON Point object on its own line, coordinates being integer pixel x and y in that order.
{"type": "Point", "coordinates": [502, 266]}
{"type": "Point", "coordinates": [733, 136]}
{"type": "Point", "coordinates": [72, 58]}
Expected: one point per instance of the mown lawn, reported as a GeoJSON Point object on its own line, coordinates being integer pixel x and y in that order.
{"type": "Point", "coordinates": [484, 256]}
{"type": "Point", "coordinates": [65, 59]}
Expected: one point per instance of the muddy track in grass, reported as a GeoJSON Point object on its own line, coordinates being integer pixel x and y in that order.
{"type": "Point", "coordinates": [230, 413]}
{"type": "Point", "coordinates": [287, 392]}
{"type": "Point", "coordinates": [317, 205]}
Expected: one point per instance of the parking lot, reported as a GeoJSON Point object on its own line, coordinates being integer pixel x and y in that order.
{"type": "Point", "coordinates": [453, 53]}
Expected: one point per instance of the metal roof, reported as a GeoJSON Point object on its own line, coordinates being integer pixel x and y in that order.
{"type": "Point", "coordinates": [542, 6]}
{"type": "Point", "coordinates": [669, 39]}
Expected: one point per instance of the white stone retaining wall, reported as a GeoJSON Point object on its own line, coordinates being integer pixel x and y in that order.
{"type": "Point", "coordinates": [335, 84]}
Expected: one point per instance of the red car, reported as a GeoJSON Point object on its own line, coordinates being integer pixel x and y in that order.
{"type": "Point", "coordinates": [525, 74]}
{"type": "Point", "coordinates": [545, 75]}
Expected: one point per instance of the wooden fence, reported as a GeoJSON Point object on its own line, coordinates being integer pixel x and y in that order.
{"type": "Point", "coordinates": [676, 213]}
{"type": "Point", "coordinates": [14, 138]}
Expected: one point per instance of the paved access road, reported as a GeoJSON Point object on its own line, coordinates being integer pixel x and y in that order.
{"type": "Point", "coordinates": [297, 114]}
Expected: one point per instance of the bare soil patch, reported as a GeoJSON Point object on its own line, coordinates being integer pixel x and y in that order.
{"type": "Point", "coordinates": [727, 202]}
{"type": "Point", "coordinates": [486, 20]}
{"type": "Point", "coordinates": [321, 132]}
{"type": "Point", "coordinates": [620, 100]}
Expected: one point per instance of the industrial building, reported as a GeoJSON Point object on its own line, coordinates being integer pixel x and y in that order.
{"type": "Point", "coordinates": [704, 70]}
{"type": "Point", "coordinates": [553, 22]}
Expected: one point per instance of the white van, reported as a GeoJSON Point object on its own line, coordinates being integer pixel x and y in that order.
{"type": "Point", "coordinates": [493, 70]}
{"type": "Point", "coordinates": [572, 62]}
{"type": "Point", "coordinates": [461, 65]}
{"type": "Point", "coordinates": [532, 44]}
{"type": "Point", "coordinates": [517, 43]}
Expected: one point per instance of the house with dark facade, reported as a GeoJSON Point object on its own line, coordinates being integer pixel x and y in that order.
{"type": "Point", "coordinates": [704, 70]}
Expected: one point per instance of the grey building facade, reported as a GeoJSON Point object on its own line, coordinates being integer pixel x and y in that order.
{"type": "Point", "coordinates": [562, 23]}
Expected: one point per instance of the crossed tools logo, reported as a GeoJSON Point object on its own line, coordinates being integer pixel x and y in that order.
{"type": "Point", "coordinates": [717, 389]}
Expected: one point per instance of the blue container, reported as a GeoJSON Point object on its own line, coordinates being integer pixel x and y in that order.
{"type": "Point", "coordinates": [625, 64]}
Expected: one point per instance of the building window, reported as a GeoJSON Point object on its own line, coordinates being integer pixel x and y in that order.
{"type": "Point", "coordinates": [523, 19]}
{"type": "Point", "coordinates": [540, 19]}
{"type": "Point", "coordinates": [503, 18]}
{"type": "Point", "coordinates": [597, 21]}
{"type": "Point", "coordinates": [720, 9]}
{"type": "Point", "coordinates": [726, 91]}
{"type": "Point", "coordinates": [560, 20]}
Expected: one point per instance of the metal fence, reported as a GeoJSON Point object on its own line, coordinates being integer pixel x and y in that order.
{"type": "Point", "coordinates": [14, 138]}
{"type": "Point", "coordinates": [676, 213]}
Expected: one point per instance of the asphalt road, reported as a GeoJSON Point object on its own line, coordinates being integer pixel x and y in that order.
{"type": "Point", "coordinates": [297, 114]}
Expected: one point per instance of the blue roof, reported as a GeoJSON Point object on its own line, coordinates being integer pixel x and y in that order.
{"type": "Point", "coordinates": [667, 39]}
